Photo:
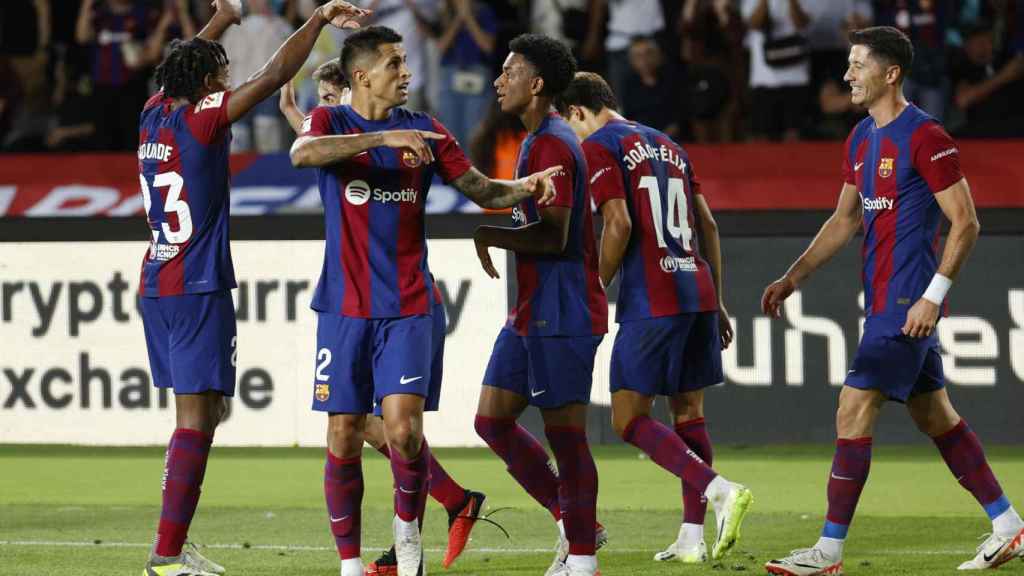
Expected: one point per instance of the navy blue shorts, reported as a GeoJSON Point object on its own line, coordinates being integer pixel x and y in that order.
{"type": "Point", "coordinates": [549, 371]}
{"type": "Point", "coordinates": [667, 355]}
{"type": "Point", "coordinates": [897, 365]}
{"type": "Point", "coordinates": [359, 361]}
{"type": "Point", "coordinates": [436, 365]}
{"type": "Point", "coordinates": [191, 340]}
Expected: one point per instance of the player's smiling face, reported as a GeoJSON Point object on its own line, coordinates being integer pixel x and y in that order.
{"type": "Point", "coordinates": [516, 86]}
{"type": "Point", "coordinates": [868, 76]}
{"type": "Point", "coordinates": [389, 76]}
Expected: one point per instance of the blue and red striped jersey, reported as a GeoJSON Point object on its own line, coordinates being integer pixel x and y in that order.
{"type": "Point", "coordinates": [662, 271]}
{"type": "Point", "coordinates": [559, 295]}
{"type": "Point", "coordinates": [375, 261]}
{"type": "Point", "coordinates": [898, 169]}
{"type": "Point", "coordinates": [120, 36]}
{"type": "Point", "coordinates": [183, 171]}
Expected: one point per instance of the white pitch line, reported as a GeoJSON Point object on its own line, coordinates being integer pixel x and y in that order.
{"type": "Point", "coordinates": [298, 548]}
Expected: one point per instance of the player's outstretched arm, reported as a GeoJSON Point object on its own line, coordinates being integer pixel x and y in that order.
{"type": "Point", "coordinates": [290, 56]}
{"type": "Point", "coordinates": [315, 151]}
{"type": "Point", "coordinates": [958, 206]}
{"type": "Point", "coordinates": [615, 232]}
{"type": "Point", "coordinates": [289, 108]}
{"type": "Point", "coordinates": [711, 249]}
{"type": "Point", "coordinates": [545, 237]}
{"type": "Point", "coordinates": [834, 234]}
{"type": "Point", "coordinates": [228, 12]}
{"type": "Point", "coordinates": [497, 194]}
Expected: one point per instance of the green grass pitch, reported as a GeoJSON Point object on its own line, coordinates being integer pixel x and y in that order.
{"type": "Point", "coordinates": [92, 511]}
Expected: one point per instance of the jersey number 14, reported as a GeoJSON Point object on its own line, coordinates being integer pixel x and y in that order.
{"type": "Point", "coordinates": [676, 223]}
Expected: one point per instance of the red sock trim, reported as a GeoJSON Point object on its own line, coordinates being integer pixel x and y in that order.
{"type": "Point", "coordinates": [862, 441]}
{"type": "Point", "coordinates": [681, 426]}
{"type": "Point", "coordinates": [342, 461]}
{"type": "Point", "coordinates": [574, 429]}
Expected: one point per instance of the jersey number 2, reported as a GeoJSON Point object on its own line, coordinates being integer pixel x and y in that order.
{"type": "Point", "coordinates": [174, 182]}
{"type": "Point", "coordinates": [677, 223]}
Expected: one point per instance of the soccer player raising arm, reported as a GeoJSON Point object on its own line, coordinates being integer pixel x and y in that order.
{"type": "Point", "coordinates": [187, 274]}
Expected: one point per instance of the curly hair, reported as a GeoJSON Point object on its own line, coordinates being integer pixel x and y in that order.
{"type": "Point", "coordinates": [365, 40]}
{"type": "Point", "coordinates": [331, 73]}
{"type": "Point", "coordinates": [588, 90]}
{"type": "Point", "coordinates": [552, 60]}
{"type": "Point", "coordinates": [183, 72]}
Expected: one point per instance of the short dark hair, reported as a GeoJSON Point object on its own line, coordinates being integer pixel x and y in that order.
{"type": "Point", "coordinates": [887, 44]}
{"type": "Point", "coordinates": [588, 90]}
{"type": "Point", "coordinates": [365, 40]}
{"type": "Point", "coordinates": [552, 59]}
{"type": "Point", "coordinates": [182, 74]}
{"type": "Point", "coordinates": [331, 73]}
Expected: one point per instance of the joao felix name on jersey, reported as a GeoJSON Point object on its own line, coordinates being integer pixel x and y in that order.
{"type": "Point", "coordinates": [662, 272]}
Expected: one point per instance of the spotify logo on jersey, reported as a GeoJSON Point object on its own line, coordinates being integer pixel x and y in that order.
{"type": "Point", "coordinates": [357, 192]}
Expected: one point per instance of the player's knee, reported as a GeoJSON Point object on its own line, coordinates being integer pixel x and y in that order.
{"type": "Point", "coordinates": [402, 436]}
{"type": "Point", "coordinates": [344, 438]}
{"type": "Point", "coordinates": [620, 422]}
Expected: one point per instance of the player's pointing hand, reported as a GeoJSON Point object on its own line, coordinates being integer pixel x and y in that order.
{"type": "Point", "coordinates": [774, 294]}
{"type": "Point", "coordinates": [541, 185]}
{"type": "Point", "coordinates": [414, 140]}
{"type": "Point", "coordinates": [343, 15]}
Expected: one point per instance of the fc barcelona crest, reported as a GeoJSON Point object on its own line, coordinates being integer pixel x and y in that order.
{"type": "Point", "coordinates": [409, 159]}
{"type": "Point", "coordinates": [885, 167]}
{"type": "Point", "coordinates": [322, 392]}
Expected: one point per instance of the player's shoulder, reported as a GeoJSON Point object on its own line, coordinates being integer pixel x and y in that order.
{"type": "Point", "coordinates": [154, 100]}
{"type": "Point", "coordinates": [405, 118]}
{"type": "Point", "coordinates": [859, 132]}
{"type": "Point", "coordinates": [923, 126]}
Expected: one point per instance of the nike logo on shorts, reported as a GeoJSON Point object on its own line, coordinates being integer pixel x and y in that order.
{"type": "Point", "coordinates": [403, 380]}
{"type": "Point", "coordinates": [535, 393]}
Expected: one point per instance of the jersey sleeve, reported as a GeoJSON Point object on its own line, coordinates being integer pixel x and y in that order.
{"type": "Point", "coordinates": [936, 157]}
{"type": "Point", "coordinates": [849, 175]}
{"type": "Point", "coordinates": [317, 123]}
{"type": "Point", "coordinates": [208, 119]}
{"type": "Point", "coordinates": [451, 160]}
{"type": "Point", "coordinates": [604, 173]}
{"type": "Point", "coordinates": [548, 151]}
{"type": "Point", "coordinates": [694, 182]}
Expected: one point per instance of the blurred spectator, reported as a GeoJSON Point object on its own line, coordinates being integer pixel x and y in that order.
{"type": "Point", "coordinates": [24, 38]}
{"type": "Point", "coordinates": [652, 94]}
{"type": "Point", "coordinates": [494, 145]}
{"type": "Point", "coordinates": [466, 45]}
{"type": "Point", "coordinates": [925, 22]}
{"type": "Point", "coordinates": [562, 19]}
{"type": "Point", "coordinates": [627, 19]}
{"type": "Point", "coordinates": [987, 86]}
{"type": "Point", "coordinates": [124, 39]}
{"type": "Point", "coordinates": [10, 100]}
{"type": "Point", "coordinates": [780, 70]}
{"type": "Point", "coordinates": [74, 127]}
{"type": "Point", "coordinates": [249, 45]}
{"type": "Point", "coordinates": [712, 46]}
{"type": "Point", "coordinates": [831, 22]}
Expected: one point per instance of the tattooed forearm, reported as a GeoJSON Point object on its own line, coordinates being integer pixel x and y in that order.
{"type": "Point", "coordinates": [489, 193]}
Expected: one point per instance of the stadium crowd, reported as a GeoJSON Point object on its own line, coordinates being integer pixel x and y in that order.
{"type": "Point", "coordinates": [75, 73]}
